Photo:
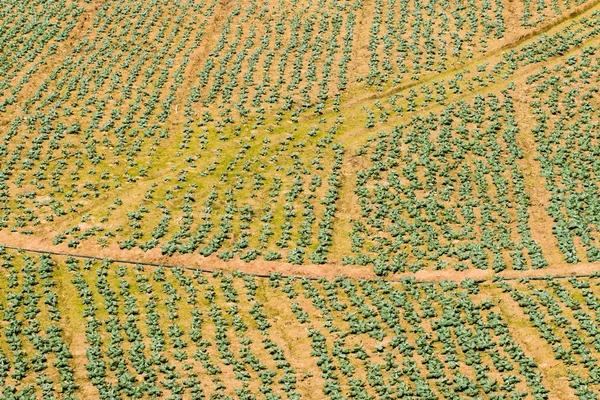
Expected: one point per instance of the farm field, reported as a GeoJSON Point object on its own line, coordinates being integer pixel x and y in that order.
{"type": "Point", "coordinates": [363, 199]}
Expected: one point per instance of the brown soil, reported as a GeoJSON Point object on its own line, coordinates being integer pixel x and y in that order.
{"type": "Point", "coordinates": [527, 336]}
{"type": "Point", "coordinates": [263, 268]}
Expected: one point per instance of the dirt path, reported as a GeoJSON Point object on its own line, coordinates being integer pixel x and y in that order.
{"type": "Point", "coordinates": [263, 268]}
{"type": "Point", "coordinates": [540, 221]}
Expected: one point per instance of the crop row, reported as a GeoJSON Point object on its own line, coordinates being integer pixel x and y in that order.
{"type": "Point", "coordinates": [446, 190]}
{"type": "Point", "coordinates": [564, 101]}
{"type": "Point", "coordinates": [176, 334]}
{"type": "Point", "coordinates": [566, 316]}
